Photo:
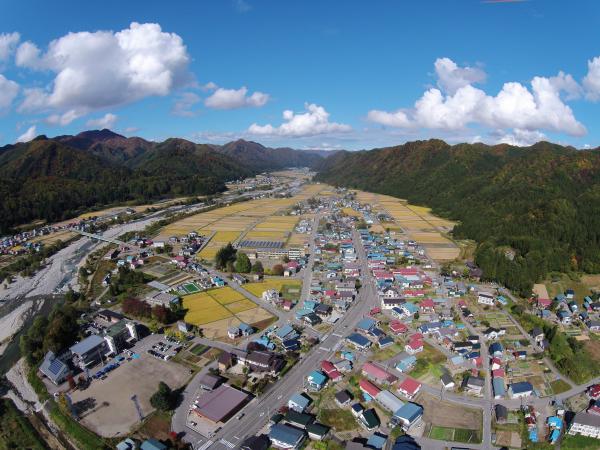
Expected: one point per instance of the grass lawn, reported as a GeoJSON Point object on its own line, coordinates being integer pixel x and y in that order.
{"type": "Point", "coordinates": [338, 419]}
{"type": "Point", "coordinates": [441, 433]}
{"type": "Point", "coordinates": [559, 386]}
{"type": "Point", "coordinates": [579, 443]}
{"type": "Point", "coordinates": [563, 282]}
{"type": "Point", "coordinates": [387, 353]}
{"type": "Point", "coordinates": [462, 435]}
{"type": "Point", "coordinates": [15, 429]}
{"type": "Point", "coordinates": [428, 360]}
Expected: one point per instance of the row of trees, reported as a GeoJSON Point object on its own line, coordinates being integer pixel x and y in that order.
{"type": "Point", "coordinates": [228, 258]}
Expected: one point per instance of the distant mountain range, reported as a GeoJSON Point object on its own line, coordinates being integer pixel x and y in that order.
{"type": "Point", "coordinates": [532, 209]}
{"type": "Point", "coordinates": [56, 178]}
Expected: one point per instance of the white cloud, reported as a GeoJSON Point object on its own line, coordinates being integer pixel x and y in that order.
{"type": "Point", "coordinates": [184, 104]}
{"type": "Point", "coordinates": [310, 123]}
{"type": "Point", "coordinates": [522, 138]}
{"type": "Point", "coordinates": [8, 91]}
{"type": "Point", "coordinates": [235, 98]}
{"type": "Point", "coordinates": [8, 43]}
{"type": "Point", "coordinates": [515, 106]}
{"type": "Point", "coordinates": [452, 77]}
{"type": "Point", "coordinates": [210, 86]}
{"type": "Point", "coordinates": [28, 55]}
{"type": "Point", "coordinates": [241, 6]}
{"type": "Point", "coordinates": [103, 69]}
{"type": "Point", "coordinates": [591, 82]}
{"type": "Point", "coordinates": [28, 135]}
{"type": "Point", "coordinates": [108, 120]}
{"type": "Point", "coordinates": [64, 118]}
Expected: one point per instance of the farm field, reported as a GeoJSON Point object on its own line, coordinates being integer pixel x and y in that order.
{"type": "Point", "coordinates": [450, 421]}
{"type": "Point", "coordinates": [218, 309]}
{"type": "Point", "coordinates": [288, 286]}
{"type": "Point", "coordinates": [52, 238]}
{"type": "Point", "coordinates": [254, 220]}
{"type": "Point", "coordinates": [417, 222]}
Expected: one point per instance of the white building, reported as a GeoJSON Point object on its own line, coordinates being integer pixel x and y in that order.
{"type": "Point", "coordinates": [485, 298]}
{"type": "Point", "coordinates": [586, 424]}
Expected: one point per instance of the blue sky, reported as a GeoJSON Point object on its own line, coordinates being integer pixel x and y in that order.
{"type": "Point", "coordinates": [309, 74]}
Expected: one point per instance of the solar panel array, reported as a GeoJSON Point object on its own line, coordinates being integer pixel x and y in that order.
{"type": "Point", "coordinates": [261, 244]}
{"type": "Point", "coordinates": [55, 366]}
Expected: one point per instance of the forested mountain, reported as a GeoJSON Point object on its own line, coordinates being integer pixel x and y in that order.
{"type": "Point", "coordinates": [55, 179]}
{"type": "Point", "coordinates": [543, 201]}
{"type": "Point", "coordinates": [258, 157]}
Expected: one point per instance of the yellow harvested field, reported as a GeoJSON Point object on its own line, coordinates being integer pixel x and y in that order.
{"type": "Point", "coordinates": [243, 216]}
{"type": "Point", "coordinates": [221, 307]}
{"type": "Point", "coordinates": [443, 254]}
{"type": "Point", "coordinates": [226, 295]}
{"type": "Point", "coordinates": [254, 315]}
{"type": "Point", "coordinates": [270, 283]}
{"type": "Point", "coordinates": [429, 238]}
{"type": "Point", "coordinates": [202, 308]}
{"type": "Point", "coordinates": [351, 212]}
{"type": "Point", "coordinates": [218, 330]}
{"type": "Point", "coordinates": [208, 253]}
{"type": "Point", "coordinates": [266, 235]}
{"type": "Point", "coordinates": [298, 239]}
{"type": "Point", "coordinates": [223, 237]}
{"type": "Point", "coordinates": [242, 305]}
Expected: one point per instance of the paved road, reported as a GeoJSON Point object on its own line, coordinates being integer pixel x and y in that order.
{"type": "Point", "coordinates": [259, 410]}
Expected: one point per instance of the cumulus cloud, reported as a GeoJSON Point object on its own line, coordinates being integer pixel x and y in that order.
{"type": "Point", "coordinates": [591, 82]}
{"type": "Point", "coordinates": [241, 6]}
{"type": "Point", "coordinates": [108, 120]}
{"type": "Point", "coordinates": [8, 91]}
{"type": "Point", "coordinates": [8, 43]}
{"type": "Point", "coordinates": [223, 98]}
{"type": "Point", "coordinates": [63, 119]}
{"type": "Point", "coordinates": [452, 77]}
{"type": "Point", "coordinates": [521, 138]}
{"type": "Point", "coordinates": [28, 135]}
{"type": "Point", "coordinates": [184, 104]}
{"type": "Point", "coordinates": [103, 69]}
{"type": "Point", "coordinates": [516, 106]}
{"type": "Point", "coordinates": [310, 123]}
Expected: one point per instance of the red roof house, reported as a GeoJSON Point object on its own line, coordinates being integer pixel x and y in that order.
{"type": "Point", "coordinates": [378, 373]}
{"type": "Point", "coordinates": [409, 387]}
{"type": "Point", "coordinates": [369, 388]}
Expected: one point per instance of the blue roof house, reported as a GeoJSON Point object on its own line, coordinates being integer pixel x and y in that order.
{"type": "Point", "coordinates": [366, 324]}
{"type": "Point", "coordinates": [298, 402]}
{"type": "Point", "coordinates": [316, 380]}
{"type": "Point", "coordinates": [408, 414]}
{"type": "Point", "coordinates": [406, 364]}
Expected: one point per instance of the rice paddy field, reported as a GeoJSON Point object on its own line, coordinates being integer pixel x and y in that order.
{"type": "Point", "coordinates": [216, 310]}
{"type": "Point", "coordinates": [417, 222]}
{"type": "Point", "coordinates": [286, 285]}
{"type": "Point", "coordinates": [253, 220]}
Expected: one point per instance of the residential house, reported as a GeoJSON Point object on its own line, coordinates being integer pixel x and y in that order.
{"type": "Point", "coordinates": [498, 387]}
{"type": "Point", "coordinates": [520, 389]}
{"type": "Point", "coordinates": [409, 388]}
{"type": "Point", "coordinates": [286, 437]}
{"type": "Point", "coordinates": [492, 333]}
{"type": "Point", "coordinates": [473, 384]}
{"type": "Point", "coordinates": [414, 346]}
{"type": "Point", "coordinates": [298, 419]}
{"type": "Point", "coordinates": [358, 341]}
{"type": "Point", "coordinates": [447, 381]}
{"type": "Point", "coordinates": [406, 364]}
{"type": "Point", "coordinates": [378, 373]}
{"type": "Point", "coordinates": [317, 431]}
{"type": "Point", "coordinates": [369, 420]}
{"type": "Point", "coordinates": [298, 402]}
{"type": "Point", "coordinates": [343, 398]}
{"type": "Point", "coordinates": [408, 415]}
{"type": "Point", "coordinates": [316, 380]}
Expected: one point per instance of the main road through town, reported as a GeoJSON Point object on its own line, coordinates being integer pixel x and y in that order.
{"type": "Point", "coordinates": [259, 410]}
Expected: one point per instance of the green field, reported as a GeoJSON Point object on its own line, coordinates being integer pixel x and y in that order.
{"type": "Point", "coordinates": [559, 386]}
{"type": "Point", "coordinates": [191, 288]}
{"type": "Point", "coordinates": [579, 443]}
{"type": "Point", "coordinates": [454, 434]}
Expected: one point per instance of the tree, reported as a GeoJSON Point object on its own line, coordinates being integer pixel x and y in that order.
{"type": "Point", "coordinates": [242, 263]}
{"type": "Point", "coordinates": [224, 256]}
{"type": "Point", "coordinates": [277, 270]}
{"type": "Point", "coordinates": [163, 399]}
{"type": "Point", "coordinates": [258, 268]}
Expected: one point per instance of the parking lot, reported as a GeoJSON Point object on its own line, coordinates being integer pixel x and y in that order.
{"type": "Point", "coordinates": [106, 406]}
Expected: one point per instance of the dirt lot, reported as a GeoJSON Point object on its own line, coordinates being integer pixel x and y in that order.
{"type": "Point", "coordinates": [106, 405]}
{"type": "Point", "coordinates": [508, 439]}
{"type": "Point", "coordinates": [447, 414]}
